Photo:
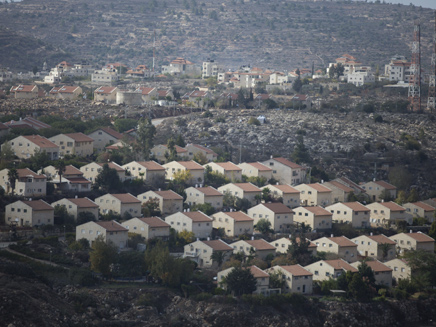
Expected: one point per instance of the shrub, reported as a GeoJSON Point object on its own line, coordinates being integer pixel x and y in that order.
{"type": "Point", "coordinates": [253, 121]}
{"type": "Point", "coordinates": [202, 297]}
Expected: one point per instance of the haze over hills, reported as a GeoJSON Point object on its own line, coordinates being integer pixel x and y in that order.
{"type": "Point", "coordinates": [271, 34]}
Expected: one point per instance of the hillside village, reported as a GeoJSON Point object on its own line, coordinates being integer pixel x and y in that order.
{"type": "Point", "coordinates": [193, 183]}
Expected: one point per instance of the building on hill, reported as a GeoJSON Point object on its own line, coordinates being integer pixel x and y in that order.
{"type": "Point", "coordinates": [65, 92]}
{"type": "Point", "coordinates": [316, 218]}
{"type": "Point", "coordinates": [25, 146]}
{"type": "Point", "coordinates": [258, 248]}
{"type": "Point", "coordinates": [111, 231]}
{"type": "Point", "coordinates": [326, 269]}
{"type": "Point", "coordinates": [29, 213]}
{"type": "Point", "coordinates": [288, 195]}
{"type": "Point", "coordinates": [106, 94]}
{"type": "Point", "coordinates": [74, 144]}
{"type": "Point", "coordinates": [195, 170]}
{"type": "Point", "coordinates": [197, 222]}
{"type": "Point", "coordinates": [353, 213]}
{"type": "Point", "coordinates": [29, 184]}
{"type": "Point", "coordinates": [242, 190]}
{"type": "Point", "coordinates": [93, 169]}
{"type": "Point", "coordinates": [282, 245]}
{"type": "Point", "coordinates": [234, 223]}
{"type": "Point", "coordinates": [314, 194]}
{"type": "Point", "coordinates": [297, 278]}
{"type": "Point", "coordinates": [169, 201]}
{"type": "Point", "coordinates": [193, 149]}
{"type": "Point", "coordinates": [149, 228]}
{"type": "Point", "coordinates": [340, 192]}
{"type": "Point", "coordinates": [279, 215]}
{"type": "Point", "coordinates": [256, 169]}
{"type": "Point", "coordinates": [149, 171]}
{"type": "Point", "coordinates": [262, 279]}
{"type": "Point", "coordinates": [181, 66]}
{"type": "Point", "coordinates": [387, 213]}
{"type": "Point", "coordinates": [202, 195]}
{"type": "Point", "coordinates": [202, 252]}
{"type": "Point", "coordinates": [75, 206]}
{"type": "Point", "coordinates": [400, 269]}
{"type": "Point", "coordinates": [421, 210]}
{"type": "Point", "coordinates": [228, 169]}
{"type": "Point", "coordinates": [27, 122]}
{"type": "Point", "coordinates": [122, 204]}
{"type": "Point", "coordinates": [104, 136]}
{"type": "Point", "coordinates": [160, 151]}
{"type": "Point", "coordinates": [413, 242]}
{"type": "Point", "coordinates": [378, 247]}
{"type": "Point", "coordinates": [341, 245]}
{"type": "Point", "coordinates": [285, 171]}
{"type": "Point", "coordinates": [382, 273]}
{"type": "Point", "coordinates": [378, 190]}
{"type": "Point", "coordinates": [26, 92]}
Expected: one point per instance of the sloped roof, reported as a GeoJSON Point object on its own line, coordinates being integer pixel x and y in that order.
{"type": "Point", "coordinates": [356, 206]}
{"type": "Point", "coordinates": [197, 216]}
{"type": "Point", "coordinates": [169, 195]}
{"type": "Point", "coordinates": [260, 245]}
{"type": "Point", "coordinates": [111, 132]}
{"type": "Point", "coordinates": [63, 89]}
{"type": "Point", "coordinates": [340, 264]}
{"type": "Point", "coordinates": [420, 237]}
{"type": "Point", "coordinates": [24, 172]}
{"type": "Point", "coordinates": [288, 163]}
{"type": "Point", "coordinates": [381, 239]}
{"type": "Point", "coordinates": [23, 88]}
{"type": "Point", "coordinates": [349, 182]}
{"type": "Point", "coordinates": [208, 191]}
{"type": "Point", "coordinates": [319, 188]}
{"type": "Point", "coordinates": [386, 185]}
{"type": "Point", "coordinates": [392, 206]}
{"type": "Point", "coordinates": [259, 166]}
{"type": "Point", "coordinates": [297, 270]}
{"type": "Point", "coordinates": [230, 166]}
{"type": "Point", "coordinates": [111, 226]}
{"type": "Point", "coordinates": [126, 198]}
{"type": "Point", "coordinates": [83, 203]}
{"type": "Point", "coordinates": [239, 216]}
{"type": "Point", "coordinates": [191, 165]}
{"type": "Point", "coordinates": [341, 186]}
{"type": "Point", "coordinates": [277, 207]}
{"type": "Point", "coordinates": [318, 211]}
{"type": "Point", "coordinates": [218, 245]}
{"type": "Point", "coordinates": [151, 165]}
{"type": "Point", "coordinates": [105, 89]}
{"type": "Point", "coordinates": [203, 148]}
{"type": "Point", "coordinates": [38, 205]}
{"type": "Point", "coordinates": [377, 266]}
{"type": "Point", "coordinates": [80, 137]}
{"type": "Point", "coordinates": [285, 188]}
{"type": "Point", "coordinates": [425, 206]}
{"type": "Point", "coordinates": [258, 273]}
{"type": "Point", "coordinates": [154, 222]}
{"type": "Point", "coordinates": [247, 187]}
{"type": "Point", "coordinates": [112, 165]}
{"type": "Point", "coordinates": [40, 141]}
{"type": "Point", "coordinates": [71, 170]}
{"type": "Point", "coordinates": [342, 241]}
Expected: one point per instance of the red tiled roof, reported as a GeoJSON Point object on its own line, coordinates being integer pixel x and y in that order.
{"type": "Point", "coordinates": [356, 206]}
{"type": "Point", "coordinates": [105, 89]}
{"type": "Point", "coordinates": [203, 148]}
{"type": "Point", "coordinates": [386, 185]}
{"type": "Point", "coordinates": [112, 132]}
{"type": "Point", "coordinates": [38, 205]}
{"type": "Point", "coordinates": [297, 270]}
{"type": "Point", "coordinates": [126, 198]}
{"type": "Point", "coordinates": [218, 245]}
{"type": "Point", "coordinates": [247, 187]}
{"type": "Point", "coordinates": [420, 237]}
{"type": "Point", "coordinates": [260, 245]}
{"type": "Point", "coordinates": [340, 186]}
{"type": "Point", "coordinates": [258, 273]}
{"type": "Point", "coordinates": [392, 206]}
{"type": "Point", "coordinates": [277, 207]}
{"type": "Point", "coordinates": [259, 166]}
{"type": "Point", "coordinates": [63, 89]}
{"type": "Point", "coordinates": [425, 206]}
{"type": "Point", "coordinates": [288, 163]}
{"type": "Point", "coordinates": [285, 188]}
{"type": "Point", "coordinates": [191, 165]}
{"type": "Point", "coordinates": [24, 172]}
{"type": "Point", "coordinates": [111, 226]}
{"type": "Point", "coordinates": [377, 266]}
{"type": "Point", "coordinates": [169, 195]}
{"type": "Point", "coordinates": [23, 88]}
{"type": "Point", "coordinates": [340, 264]}
{"type": "Point", "coordinates": [381, 239]}
{"type": "Point", "coordinates": [319, 188]}
{"type": "Point", "coordinates": [230, 166]}
{"type": "Point", "coordinates": [349, 182]}
{"type": "Point", "coordinates": [80, 137]}
{"type": "Point", "coordinates": [318, 211]}
{"type": "Point", "coordinates": [197, 216]}
{"type": "Point", "coordinates": [40, 141]}
{"type": "Point", "coordinates": [151, 165]}
{"type": "Point", "coordinates": [146, 90]}
{"type": "Point", "coordinates": [155, 222]}
{"type": "Point", "coordinates": [208, 191]}
{"type": "Point", "coordinates": [239, 216]}
{"type": "Point", "coordinates": [83, 203]}
{"type": "Point", "coordinates": [71, 170]}
{"type": "Point", "coordinates": [181, 61]}
{"type": "Point", "coordinates": [112, 165]}
{"type": "Point", "coordinates": [342, 241]}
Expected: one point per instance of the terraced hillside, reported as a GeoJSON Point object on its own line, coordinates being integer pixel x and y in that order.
{"type": "Point", "coordinates": [272, 34]}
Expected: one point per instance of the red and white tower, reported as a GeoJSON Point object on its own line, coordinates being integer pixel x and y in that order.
{"type": "Point", "coordinates": [415, 71]}
{"type": "Point", "coordinates": [431, 102]}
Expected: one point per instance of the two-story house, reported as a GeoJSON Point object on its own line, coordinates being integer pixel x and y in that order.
{"type": "Point", "coordinates": [387, 213]}
{"type": "Point", "coordinates": [325, 269]}
{"type": "Point", "coordinates": [341, 245]}
{"type": "Point", "coordinates": [29, 213]}
{"type": "Point", "coordinates": [169, 201]}
{"type": "Point", "coordinates": [202, 195]}
{"type": "Point", "coordinates": [74, 144]}
{"type": "Point", "coordinates": [104, 136]}
{"type": "Point", "coordinates": [75, 206]}
{"type": "Point", "coordinates": [91, 170]}
{"type": "Point", "coordinates": [234, 223]}
{"type": "Point", "coordinates": [202, 252]}
{"type": "Point", "coordinates": [110, 231]}
{"type": "Point", "coordinates": [258, 248]}
{"type": "Point", "coordinates": [413, 241]}
{"type": "Point", "coordinates": [25, 146]}
{"type": "Point", "coordinates": [28, 184]}
{"type": "Point", "coordinates": [256, 169]}
{"type": "Point", "coordinates": [288, 195]}
{"type": "Point", "coordinates": [261, 277]}
{"type": "Point", "coordinates": [377, 190]}
{"type": "Point", "coordinates": [279, 215]}
{"type": "Point", "coordinates": [297, 279]}
{"type": "Point", "coordinates": [193, 149]}
{"type": "Point", "coordinates": [314, 194]}
{"type": "Point", "coordinates": [382, 273]}
{"type": "Point", "coordinates": [353, 213]}
{"type": "Point", "coordinates": [197, 222]}
{"type": "Point", "coordinates": [148, 171]}
{"type": "Point", "coordinates": [228, 169]}
{"type": "Point", "coordinates": [316, 218]}
{"type": "Point", "coordinates": [378, 247]}
{"type": "Point", "coordinates": [421, 210]}
{"type": "Point", "coordinates": [282, 245]}
{"type": "Point", "coordinates": [242, 190]}
{"type": "Point", "coordinates": [121, 204]}
{"type": "Point", "coordinates": [195, 170]}
{"type": "Point", "coordinates": [285, 171]}
{"type": "Point", "coordinates": [149, 228]}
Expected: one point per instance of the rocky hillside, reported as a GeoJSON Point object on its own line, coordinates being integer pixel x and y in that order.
{"type": "Point", "coordinates": [271, 34]}
{"type": "Point", "coordinates": [26, 301]}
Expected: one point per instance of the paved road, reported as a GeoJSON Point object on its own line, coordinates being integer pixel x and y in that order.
{"type": "Point", "coordinates": [38, 260]}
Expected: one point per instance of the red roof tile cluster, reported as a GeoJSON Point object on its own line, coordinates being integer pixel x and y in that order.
{"type": "Point", "coordinates": [208, 191]}
{"type": "Point", "coordinates": [420, 237]}
{"type": "Point", "coordinates": [356, 206]}
{"type": "Point", "coordinates": [247, 187]}
{"type": "Point", "coordinates": [392, 206]}
{"type": "Point", "coordinates": [377, 266]}
{"type": "Point", "coordinates": [218, 245]}
{"type": "Point", "coordinates": [239, 216]}
{"type": "Point", "coordinates": [260, 245]}
{"type": "Point", "coordinates": [277, 207]}
{"type": "Point", "coordinates": [342, 241]}
{"type": "Point", "coordinates": [126, 198]}
{"type": "Point", "coordinates": [40, 141]}
{"type": "Point", "coordinates": [285, 188]}
{"type": "Point", "coordinates": [259, 166]}
{"type": "Point", "coordinates": [169, 195]}
{"type": "Point", "coordinates": [25, 172]}
{"type": "Point", "coordinates": [258, 273]}
{"type": "Point", "coordinates": [386, 185]}
{"type": "Point", "coordinates": [288, 163]}
{"type": "Point", "coordinates": [83, 203]}
{"type": "Point", "coordinates": [319, 188]}
{"type": "Point", "coordinates": [297, 270]}
{"type": "Point", "coordinates": [425, 206]}
{"type": "Point", "coordinates": [340, 186]}
{"type": "Point", "coordinates": [38, 205]}
{"type": "Point", "coordinates": [111, 226]}
{"type": "Point", "coordinates": [151, 165]}
{"type": "Point", "coordinates": [340, 264]}
{"type": "Point", "coordinates": [229, 166]}
{"type": "Point", "coordinates": [155, 222]}
{"type": "Point", "coordinates": [197, 216]}
{"type": "Point", "coordinates": [381, 239]}
{"type": "Point", "coordinates": [190, 165]}
{"type": "Point", "coordinates": [318, 211]}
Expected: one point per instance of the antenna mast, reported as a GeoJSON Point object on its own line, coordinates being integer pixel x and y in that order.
{"type": "Point", "coordinates": [415, 71]}
{"type": "Point", "coordinates": [431, 102]}
{"type": "Point", "coordinates": [154, 47]}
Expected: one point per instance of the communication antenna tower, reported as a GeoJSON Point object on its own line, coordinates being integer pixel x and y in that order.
{"type": "Point", "coordinates": [431, 102]}
{"type": "Point", "coordinates": [415, 71]}
{"type": "Point", "coordinates": [154, 48]}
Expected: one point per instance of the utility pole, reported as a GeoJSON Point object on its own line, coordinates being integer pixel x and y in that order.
{"type": "Point", "coordinates": [431, 102]}
{"type": "Point", "coordinates": [415, 71]}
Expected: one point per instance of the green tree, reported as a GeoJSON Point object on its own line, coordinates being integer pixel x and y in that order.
{"type": "Point", "coordinates": [359, 289]}
{"type": "Point", "coordinates": [108, 179]}
{"type": "Point", "coordinates": [200, 158]}
{"type": "Point", "coordinates": [218, 257]}
{"type": "Point", "coordinates": [64, 218]}
{"type": "Point", "coordinates": [206, 208]}
{"type": "Point", "coordinates": [102, 256]}
{"type": "Point", "coordinates": [180, 141]}
{"type": "Point", "coordinates": [123, 125]}
{"type": "Point", "coordinates": [145, 137]}
{"type": "Point", "coordinates": [276, 280]}
{"type": "Point", "coordinates": [401, 197]}
{"type": "Point", "coordinates": [432, 231]}
{"type": "Point", "coordinates": [301, 153]}
{"type": "Point", "coordinates": [171, 153]}
{"type": "Point", "coordinates": [60, 169]}
{"type": "Point", "coordinates": [12, 179]}
{"type": "Point", "coordinates": [240, 281]}
{"type": "Point", "coordinates": [413, 196]}
{"type": "Point", "coordinates": [264, 226]}
{"type": "Point", "coordinates": [84, 217]}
